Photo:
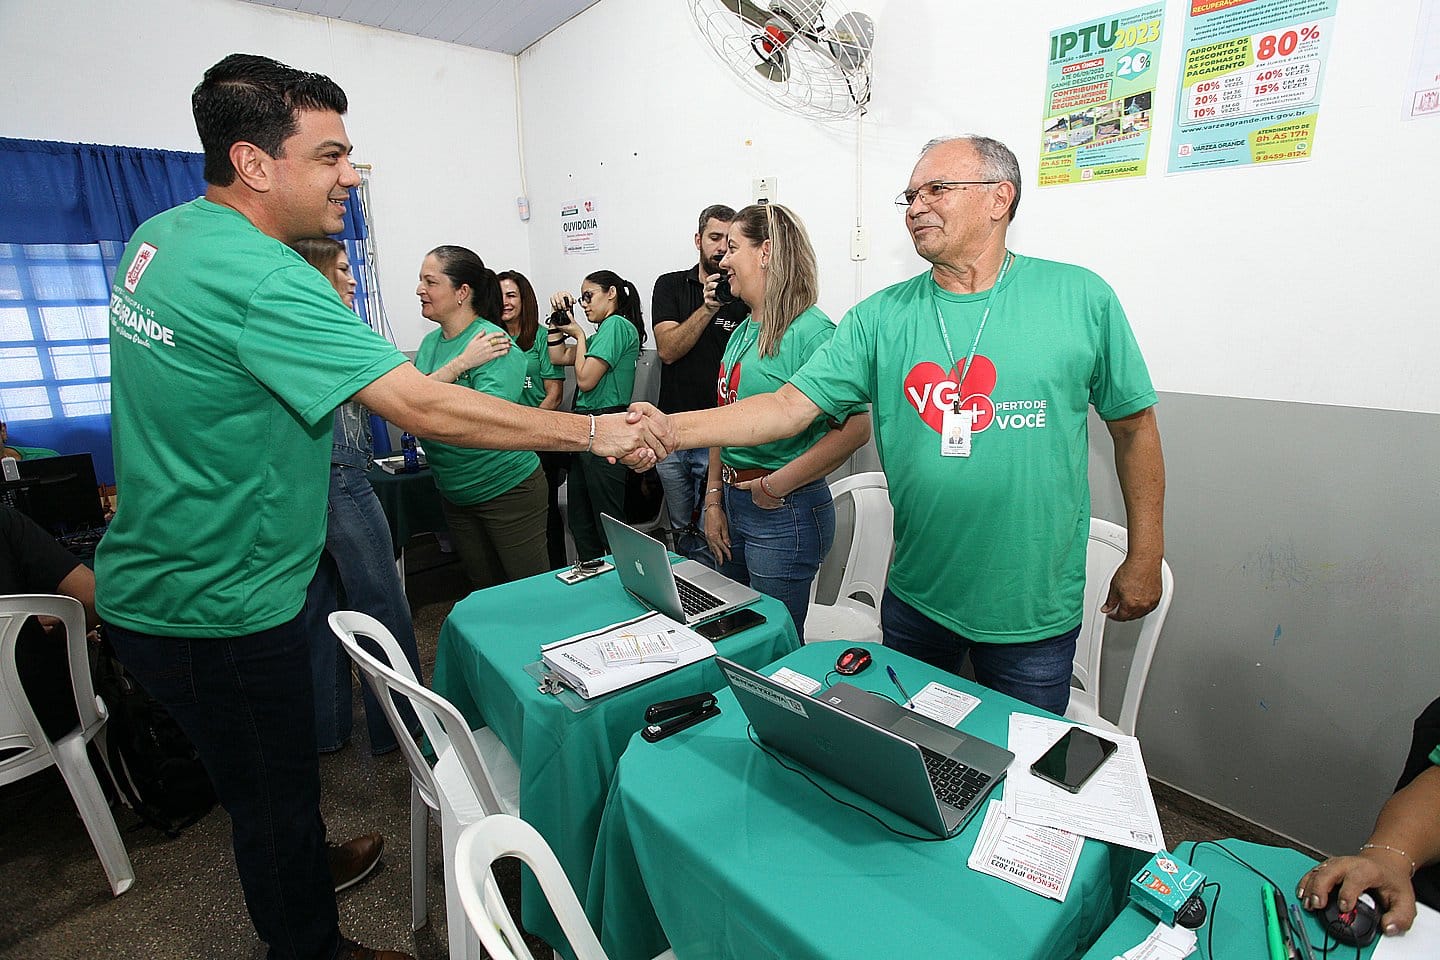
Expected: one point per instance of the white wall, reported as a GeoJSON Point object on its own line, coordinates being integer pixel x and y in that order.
{"type": "Point", "coordinates": [436, 121]}
{"type": "Point", "coordinates": [1305, 282]}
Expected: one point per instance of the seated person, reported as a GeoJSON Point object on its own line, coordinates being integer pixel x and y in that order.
{"type": "Point", "coordinates": [1401, 858]}
{"type": "Point", "coordinates": [32, 562]}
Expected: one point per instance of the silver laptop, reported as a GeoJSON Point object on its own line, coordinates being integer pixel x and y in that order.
{"type": "Point", "coordinates": [932, 775]}
{"type": "Point", "coordinates": [687, 591]}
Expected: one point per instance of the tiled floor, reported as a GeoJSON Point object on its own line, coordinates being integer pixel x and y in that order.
{"type": "Point", "coordinates": [186, 903]}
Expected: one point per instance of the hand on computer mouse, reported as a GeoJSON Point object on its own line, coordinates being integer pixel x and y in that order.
{"type": "Point", "coordinates": [1346, 878]}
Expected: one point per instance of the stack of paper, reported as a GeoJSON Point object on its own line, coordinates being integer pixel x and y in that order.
{"type": "Point", "coordinates": [1039, 859]}
{"type": "Point", "coordinates": [624, 653]}
{"type": "Point", "coordinates": [1115, 805]}
{"type": "Point", "coordinates": [1164, 943]}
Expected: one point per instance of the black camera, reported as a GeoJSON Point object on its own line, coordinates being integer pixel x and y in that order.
{"type": "Point", "coordinates": [559, 318]}
{"type": "Point", "coordinates": [723, 293]}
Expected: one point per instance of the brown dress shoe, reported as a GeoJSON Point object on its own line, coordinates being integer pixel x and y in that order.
{"type": "Point", "coordinates": [350, 950]}
{"type": "Point", "coordinates": [354, 860]}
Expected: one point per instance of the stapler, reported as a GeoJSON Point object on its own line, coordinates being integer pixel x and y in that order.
{"type": "Point", "coordinates": [671, 716]}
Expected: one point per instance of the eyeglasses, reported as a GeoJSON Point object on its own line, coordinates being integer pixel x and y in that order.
{"type": "Point", "coordinates": [935, 189]}
{"type": "Point", "coordinates": [587, 296]}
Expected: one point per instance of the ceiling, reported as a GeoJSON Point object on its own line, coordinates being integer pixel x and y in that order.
{"type": "Point", "coordinates": [505, 26]}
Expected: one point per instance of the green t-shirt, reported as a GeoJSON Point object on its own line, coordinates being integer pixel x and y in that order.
{"type": "Point", "coordinates": [617, 343]}
{"type": "Point", "coordinates": [1435, 756]}
{"type": "Point", "coordinates": [468, 476]}
{"type": "Point", "coordinates": [538, 369]}
{"type": "Point", "coordinates": [744, 373]}
{"type": "Point", "coordinates": [228, 355]}
{"type": "Point", "coordinates": [991, 545]}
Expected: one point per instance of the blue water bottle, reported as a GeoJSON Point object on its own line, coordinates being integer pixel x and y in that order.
{"type": "Point", "coordinates": [411, 452]}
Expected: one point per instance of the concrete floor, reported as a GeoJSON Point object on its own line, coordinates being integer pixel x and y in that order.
{"type": "Point", "coordinates": [186, 903]}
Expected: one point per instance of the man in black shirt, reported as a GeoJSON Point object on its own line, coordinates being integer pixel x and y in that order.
{"type": "Point", "coordinates": [32, 562]}
{"type": "Point", "coordinates": [691, 331]}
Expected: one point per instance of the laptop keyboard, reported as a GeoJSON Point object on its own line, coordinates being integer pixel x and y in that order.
{"type": "Point", "coordinates": [695, 601]}
{"type": "Point", "coordinates": [955, 784]}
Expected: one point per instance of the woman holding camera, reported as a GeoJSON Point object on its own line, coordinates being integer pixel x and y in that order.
{"type": "Point", "coordinates": [493, 500]}
{"type": "Point", "coordinates": [604, 365]}
{"type": "Point", "coordinates": [768, 516]}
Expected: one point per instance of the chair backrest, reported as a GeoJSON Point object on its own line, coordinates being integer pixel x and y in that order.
{"type": "Point", "coordinates": [1105, 551]}
{"type": "Point", "coordinates": [484, 842]}
{"type": "Point", "coordinates": [24, 748]}
{"type": "Point", "coordinates": [867, 565]}
{"type": "Point", "coordinates": [444, 726]}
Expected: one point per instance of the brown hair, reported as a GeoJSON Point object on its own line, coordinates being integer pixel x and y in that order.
{"type": "Point", "coordinates": [792, 282]}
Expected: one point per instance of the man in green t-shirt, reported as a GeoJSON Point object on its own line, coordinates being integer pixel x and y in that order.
{"type": "Point", "coordinates": [229, 354]}
{"type": "Point", "coordinates": [980, 373]}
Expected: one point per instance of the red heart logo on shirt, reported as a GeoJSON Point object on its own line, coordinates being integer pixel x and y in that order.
{"type": "Point", "coordinates": [930, 389]}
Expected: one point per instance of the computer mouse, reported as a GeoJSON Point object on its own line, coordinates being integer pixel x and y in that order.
{"type": "Point", "coordinates": [1357, 926]}
{"type": "Point", "coordinates": [852, 661]}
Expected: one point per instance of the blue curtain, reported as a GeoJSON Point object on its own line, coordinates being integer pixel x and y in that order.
{"type": "Point", "coordinates": [73, 203]}
{"type": "Point", "coordinates": [54, 192]}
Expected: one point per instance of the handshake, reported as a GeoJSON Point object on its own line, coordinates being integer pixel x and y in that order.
{"type": "Point", "coordinates": [637, 438]}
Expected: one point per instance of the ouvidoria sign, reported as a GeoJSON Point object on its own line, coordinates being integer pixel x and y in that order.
{"type": "Point", "coordinates": [579, 227]}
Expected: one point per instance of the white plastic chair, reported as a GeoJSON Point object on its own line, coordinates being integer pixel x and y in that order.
{"type": "Point", "coordinates": [1104, 553]}
{"type": "Point", "coordinates": [481, 844]}
{"type": "Point", "coordinates": [855, 615]}
{"type": "Point", "coordinates": [20, 730]}
{"type": "Point", "coordinates": [474, 776]}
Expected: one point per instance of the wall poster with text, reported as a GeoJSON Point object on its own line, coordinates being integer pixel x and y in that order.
{"type": "Point", "coordinates": [579, 227]}
{"type": "Point", "coordinates": [1099, 89]}
{"type": "Point", "coordinates": [1250, 81]}
{"type": "Point", "coordinates": [1422, 92]}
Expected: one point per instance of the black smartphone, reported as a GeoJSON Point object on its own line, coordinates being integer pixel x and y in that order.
{"type": "Point", "coordinates": [732, 622]}
{"type": "Point", "coordinates": [1073, 759]}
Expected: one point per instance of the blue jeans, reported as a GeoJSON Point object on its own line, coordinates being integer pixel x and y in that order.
{"type": "Point", "coordinates": [247, 705]}
{"type": "Point", "coordinates": [683, 475]}
{"type": "Point", "coordinates": [1037, 673]}
{"type": "Point", "coordinates": [778, 552]}
{"type": "Point", "coordinates": [358, 563]}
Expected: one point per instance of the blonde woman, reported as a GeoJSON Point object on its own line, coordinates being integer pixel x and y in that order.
{"type": "Point", "coordinates": [768, 517]}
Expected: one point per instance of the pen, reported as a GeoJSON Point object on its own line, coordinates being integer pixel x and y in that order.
{"type": "Point", "coordinates": [1273, 939]}
{"type": "Point", "coordinates": [1297, 923]}
{"type": "Point", "coordinates": [896, 680]}
{"type": "Point", "coordinates": [1287, 939]}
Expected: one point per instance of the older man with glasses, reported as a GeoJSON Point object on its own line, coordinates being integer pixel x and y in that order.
{"type": "Point", "coordinates": [980, 373]}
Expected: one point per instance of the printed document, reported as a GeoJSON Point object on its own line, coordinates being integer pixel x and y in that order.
{"type": "Point", "coordinates": [646, 646]}
{"type": "Point", "coordinates": [941, 703]}
{"type": "Point", "coordinates": [1115, 805]}
{"type": "Point", "coordinates": [1039, 859]}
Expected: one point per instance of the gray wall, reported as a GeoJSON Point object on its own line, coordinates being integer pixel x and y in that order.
{"type": "Point", "coordinates": [1302, 641]}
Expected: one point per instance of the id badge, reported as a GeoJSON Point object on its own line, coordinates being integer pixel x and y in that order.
{"type": "Point", "coordinates": [955, 431]}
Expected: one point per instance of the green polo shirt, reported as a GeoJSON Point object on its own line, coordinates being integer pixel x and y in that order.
{"type": "Point", "coordinates": [744, 373]}
{"type": "Point", "coordinates": [617, 343]}
{"type": "Point", "coordinates": [464, 475]}
{"type": "Point", "coordinates": [228, 356]}
{"type": "Point", "coordinates": [538, 369]}
{"type": "Point", "coordinates": [991, 545]}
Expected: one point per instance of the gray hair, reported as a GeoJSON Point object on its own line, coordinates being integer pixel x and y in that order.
{"type": "Point", "coordinates": [996, 162]}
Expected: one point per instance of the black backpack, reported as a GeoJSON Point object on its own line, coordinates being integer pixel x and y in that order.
{"type": "Point", "coordinates": [153, 765]}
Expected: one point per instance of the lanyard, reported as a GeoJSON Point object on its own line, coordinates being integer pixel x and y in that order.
{"type": "Point", "coordinates": [945, 333]}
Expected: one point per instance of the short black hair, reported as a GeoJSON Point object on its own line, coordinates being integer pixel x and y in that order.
{"type": "Point", "coordinates": [255, 99]}
{"type": "Point", "coordinates": [716, 211]}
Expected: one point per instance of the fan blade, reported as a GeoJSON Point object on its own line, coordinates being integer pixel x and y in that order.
{"type": "Point", "coordinates": [852, 38]}
{"type": "Point", "coordinates": [746, 11]}
{"type": "Point", "coordinates": [775, 68]}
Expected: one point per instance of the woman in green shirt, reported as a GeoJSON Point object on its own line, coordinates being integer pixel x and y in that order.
{"type": "Point", "coordinates": [493, 500]}
{"type": "Point", "coordinates": [768, 516]}
{"type": "Point", "coordinates": [544, 384]}
{"type": "Point", "coordinates": [604, 363]}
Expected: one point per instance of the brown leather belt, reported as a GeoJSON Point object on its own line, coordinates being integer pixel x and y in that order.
{"type": "Point", "coordinates": [730, 475]}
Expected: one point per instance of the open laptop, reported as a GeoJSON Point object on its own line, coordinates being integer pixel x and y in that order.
{"type": "Point", "coordinates": [930, 774]}
{"type": "Point", "coordinates": [687, 591]}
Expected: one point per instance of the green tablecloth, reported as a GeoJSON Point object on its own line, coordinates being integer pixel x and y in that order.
{"type": "Point", "coordinates": [1239, 927]}
{"type": "Point", "coordinates": [735, 857]}
{"type": "Point", "coordinates": [410, 501]}
{"type": "Point", "coordinates": [567, 759]}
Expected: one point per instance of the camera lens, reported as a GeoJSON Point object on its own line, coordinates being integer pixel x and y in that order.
{"type": "Point", "coordinates": [723, 293]}
{"type": "Point", "coordinates": [558, 319]}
